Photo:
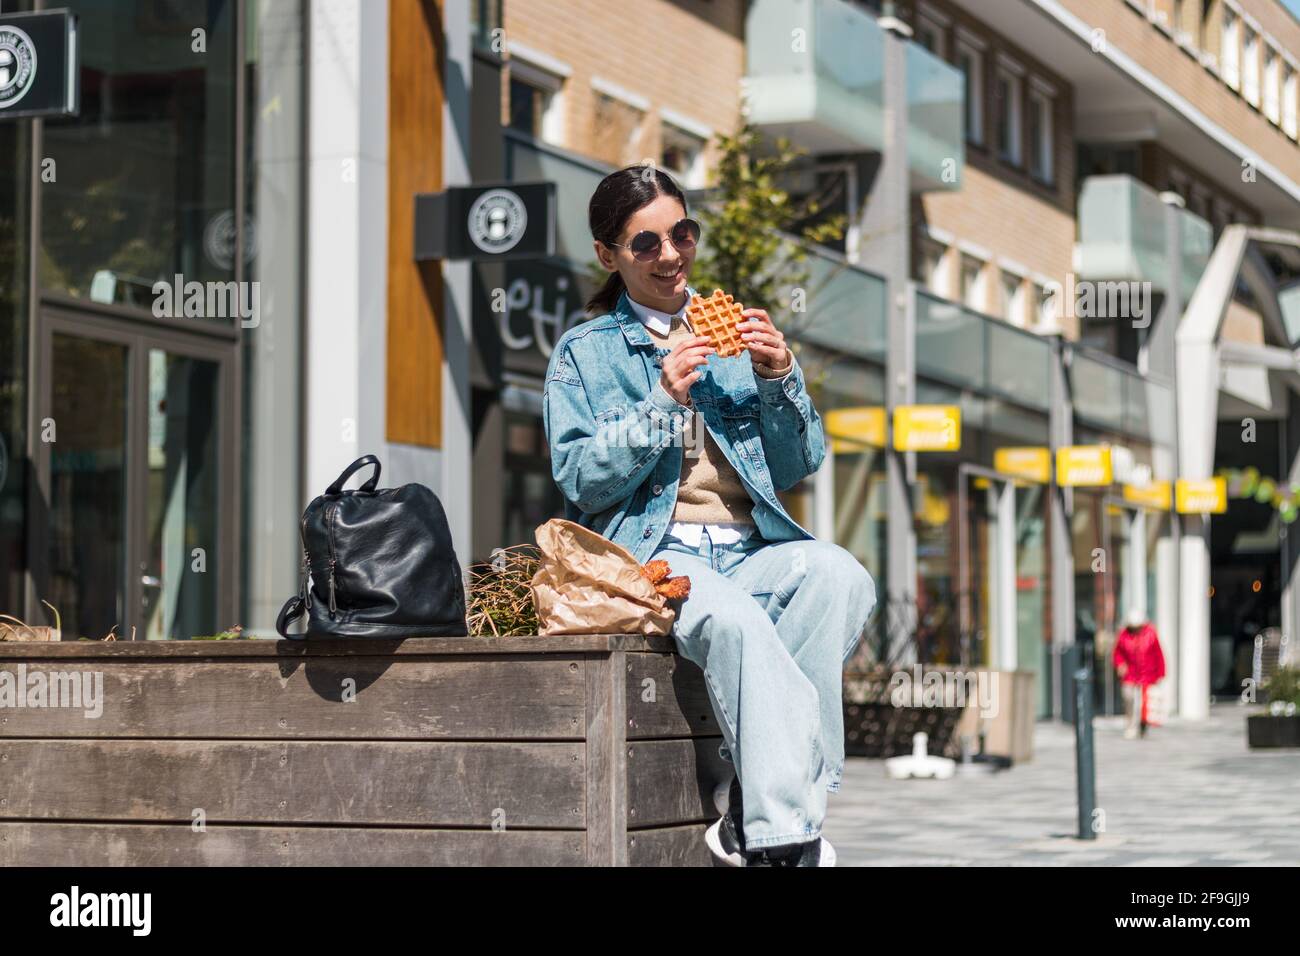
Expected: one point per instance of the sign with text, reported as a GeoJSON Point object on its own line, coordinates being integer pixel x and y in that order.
{"type": "Point", "coordinates": [1032, 463]}
{"type": "Point", "coordinates": [39, 70]}
{"type": "Point", "coordinates": [1155, 495]}
{"type": "Point", "coordinates": [927, 428]}
{"type": "Point", "coordinates": [1082, 466]}
{"type": "Point", "coordinates": [1201, 496]}
{"type": "Point", "coordinates": [856, 429]}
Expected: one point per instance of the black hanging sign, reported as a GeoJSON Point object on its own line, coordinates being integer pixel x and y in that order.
{"type": "Point", "coordinates": [39, 72]}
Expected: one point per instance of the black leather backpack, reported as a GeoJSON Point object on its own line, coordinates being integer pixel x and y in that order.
{"type": "Point", "coordinates": [377, 563]}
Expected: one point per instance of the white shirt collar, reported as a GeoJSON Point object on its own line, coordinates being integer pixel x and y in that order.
{"type": "Point", "coordinates": [661, 322]}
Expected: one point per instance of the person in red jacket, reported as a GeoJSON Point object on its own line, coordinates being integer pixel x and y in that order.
{"type": "Point", "coordinates": [1140, 663]}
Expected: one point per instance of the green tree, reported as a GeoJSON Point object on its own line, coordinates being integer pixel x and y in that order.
{"type": "Point", "coordinates": [747, 247]}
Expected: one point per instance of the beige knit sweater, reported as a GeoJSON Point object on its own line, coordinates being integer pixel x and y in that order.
{"type": "Point", "coordinates": [709, 491]}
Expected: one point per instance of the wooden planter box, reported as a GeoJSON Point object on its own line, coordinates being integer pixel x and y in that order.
{"type": "Point", "coordinates": [570, 750]}
{"type": "Point", "coordinates": [1265, 730]}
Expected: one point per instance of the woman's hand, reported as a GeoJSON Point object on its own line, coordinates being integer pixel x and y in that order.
{"type": "Point", "coordinates": [766, 343]}
{"type": "Point", "coordinates": [681, 367]}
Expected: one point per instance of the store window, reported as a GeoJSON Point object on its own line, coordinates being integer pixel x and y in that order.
{"type": "Point", "coordinates": [971, 63]}
{"type": "Point", "coordinates": [1010, 105]}
{"type": "Point", "coordinates": [143, 181]}
{"type": "Point", "coordinates": [270, 553]}
{"type": "Point", "coordinates": [1041, 140]}
{"type": "Point", "coordinates": [15, 467]}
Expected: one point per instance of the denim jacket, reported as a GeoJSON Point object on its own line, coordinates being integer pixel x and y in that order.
{"type": "Point", "coordinates": [616, 436]}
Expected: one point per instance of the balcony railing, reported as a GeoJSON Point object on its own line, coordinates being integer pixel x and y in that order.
{"type": "Point", "coordinates": [1122, 235]}
{"type": "Point", "coordinates": [965, 348]}
{"type": "Point", "coordinates": [814, 72]}
{"type": "Point", "coordinates": [1112, 395]}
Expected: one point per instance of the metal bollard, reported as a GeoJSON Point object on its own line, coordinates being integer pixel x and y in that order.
{"type": "Point", "coordinates": [1085, 769]}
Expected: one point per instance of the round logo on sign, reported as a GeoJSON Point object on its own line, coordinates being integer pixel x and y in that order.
{"type": "Point", "coordinates": [497, 221]}
{"type": "Point", "coordinates": [17, 65]}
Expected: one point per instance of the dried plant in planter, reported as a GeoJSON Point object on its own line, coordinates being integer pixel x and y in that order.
{"type": "Point", "coordinates": [12, 629]}
{"type": "Point", "coordinates": [499, 601]}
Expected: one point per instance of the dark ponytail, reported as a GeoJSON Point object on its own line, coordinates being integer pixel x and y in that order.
{"type": "Point", "coordinates": [619, 195]}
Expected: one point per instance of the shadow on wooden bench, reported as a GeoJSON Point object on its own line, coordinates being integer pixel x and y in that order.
{"type": "Point", "coordinates": [566, 750]}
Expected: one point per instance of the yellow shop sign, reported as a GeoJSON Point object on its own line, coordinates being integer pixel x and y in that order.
{"type": "Point", "coordinates": [1201, 496]}
{"type": "Point", "coordinates": [1032, 463]}
{"type": "Point", "coordinates": [1155, 495]}
{"type": "Point", "coordinates": [927, 428]}
{"type": "Point", "coordinates": [853, 429]}
{"type": "Point", "coordinates": [1083, 466]}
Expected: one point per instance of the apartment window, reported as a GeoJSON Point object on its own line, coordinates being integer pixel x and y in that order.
{"type": "Point", "coordinates": [1230, 53]}
{"type": "Point", "coordinates": [1008, 90]}
{"type": "Point", "coordinates": [971, 63]}
{"type": "Point", "coordinates": [1045, 306]}
{"type": "Point", "coordinates": [972, 283]}
{"type": "Point", "coordinates": [931, 28]}
{"type": "Point", "coordinates": [1250, 66]}
{"type": "Point", "coordinates": [1041, 141]}
{"type": "Point", "coordinates": [1272, 84]}
{"type": "Point", "coordinates": [1013, 298]}
{"type": "Point", "coordinates": [536, 97]}
{"type": "Point", "coordinates": [1290, 101]}
{"type": "Point", "coordinates": [932, 266]}
{"type": "Point", "coordinates": [617, 122]}
{"type": "Point", "coordinates": [683, 155]}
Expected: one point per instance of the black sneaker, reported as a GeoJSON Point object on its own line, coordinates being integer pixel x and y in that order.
{"type": "Point", "coordinates": [816, 852]}
{"type": "Point", "coordinates": [726, 838]}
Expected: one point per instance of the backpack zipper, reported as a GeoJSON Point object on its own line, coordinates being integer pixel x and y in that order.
{"type": "Point", "coordinates": [329, 524]}
{"type": "Point", "coordinates": [304, 591]}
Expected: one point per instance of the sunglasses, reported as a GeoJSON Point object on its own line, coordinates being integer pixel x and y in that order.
{"type": "Point", "coordinates": [645, 245]}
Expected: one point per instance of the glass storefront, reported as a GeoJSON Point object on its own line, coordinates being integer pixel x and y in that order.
{"type": "Point", "coordinates": [163, 514]}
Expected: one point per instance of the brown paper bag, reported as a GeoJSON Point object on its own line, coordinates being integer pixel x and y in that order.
{"type": "Point", "coordinates": [587, 584]}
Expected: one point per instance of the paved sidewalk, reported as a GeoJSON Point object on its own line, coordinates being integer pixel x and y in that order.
{"type": "Point", "coordinates": [1190, 794]}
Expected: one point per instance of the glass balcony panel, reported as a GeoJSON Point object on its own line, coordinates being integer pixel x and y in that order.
{"type": "Point", "coordinates": [1098, 390]}
{"type": "Point", "coordinates": [1019, 365]}
{"type": "Point", "coordinates": [951, 342]}
{"type": "Point", "coordinates": [936, 141]}
{"type": "Point", "coordinates": [814, 72]}
{"type": "Point", "coordinates": [845, 308]}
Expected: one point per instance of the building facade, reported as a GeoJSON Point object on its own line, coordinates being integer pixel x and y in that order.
{"type": "Point", "coordinates": [1070, 220]}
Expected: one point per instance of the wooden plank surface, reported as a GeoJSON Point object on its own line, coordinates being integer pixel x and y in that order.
{"type": "Point", "coordinates": [370, 782]}
{"type": "Point", "coordinates": [327, 647]}
{"type": "Point", "coordinates": [669, 846]}
{"type": "Point", "coordinates": [108, 844]}
{"type": "Point", "coordinates": [672, 781]}
{"type": "Point", "coordinates": [667, 697]}
{"type": "Point", "coordinates": [606, 761]}
{"type": "Point", "coordinates": [491, 697]}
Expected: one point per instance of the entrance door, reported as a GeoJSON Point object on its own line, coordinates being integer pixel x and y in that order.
{"type": "Point", "coordinates": [136, 463]}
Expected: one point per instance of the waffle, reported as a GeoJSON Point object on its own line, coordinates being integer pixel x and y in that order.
{"type": "Point", "coordinates": [715, 317]}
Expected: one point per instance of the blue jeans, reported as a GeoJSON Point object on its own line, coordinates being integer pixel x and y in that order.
{"type": "Point", "coordinates": [771, 624]}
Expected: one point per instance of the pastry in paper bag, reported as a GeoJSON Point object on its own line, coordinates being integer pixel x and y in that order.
{"type": "Point", "coordinates": [587, 584]}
